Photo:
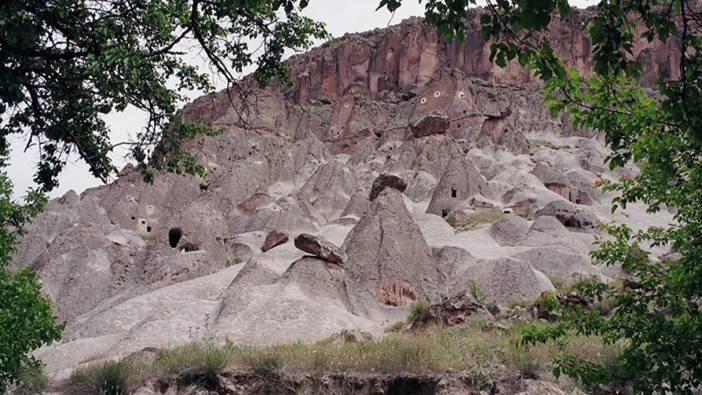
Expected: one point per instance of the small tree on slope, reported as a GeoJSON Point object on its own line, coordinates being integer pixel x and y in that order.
{"type": "Point", "coordinates": [26, 318]}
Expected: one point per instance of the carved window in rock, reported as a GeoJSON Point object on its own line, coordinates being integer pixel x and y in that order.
{"type": "Point", "coordinates": [174, 236]}
{"type": "Point", "coordinates": [454, 193]}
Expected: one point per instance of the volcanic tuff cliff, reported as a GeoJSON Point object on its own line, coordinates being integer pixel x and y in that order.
{"type": "Point", "coordinates": [130, 265]}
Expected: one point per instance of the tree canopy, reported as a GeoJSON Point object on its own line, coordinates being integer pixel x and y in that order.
{"type": "Point", "coordinates": [65, 63]}
{"type": "Point", "coordinates": [659, 310]}
{"type": "Point", "coordinates": [26, 317]}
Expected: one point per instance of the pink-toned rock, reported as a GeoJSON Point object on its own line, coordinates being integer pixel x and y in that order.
{"type": "Point", "coordinates": [430, 124]}
{"type": "Point", "coordinates": [386, 181]}
{"type": "Point", "coordinates": [274, 239]}
{"type": "Point", "coordinates": [321, 248]}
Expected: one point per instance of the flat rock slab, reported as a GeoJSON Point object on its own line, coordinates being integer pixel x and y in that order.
{"type": "Point", "coordinates": [430, 124]}
{"type": "Point", "coordinates": [320, 248]}
{"type": "Point", "coordinates": [274, 239]}
{"type": "Point", "coordinates": [386, 181]}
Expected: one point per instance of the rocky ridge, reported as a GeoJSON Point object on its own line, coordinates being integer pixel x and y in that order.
{"type": "Point", "coordinates": [131, 265]}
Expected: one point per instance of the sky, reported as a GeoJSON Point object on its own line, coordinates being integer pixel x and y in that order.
{"type": "Point", "coordinates": [341, 16]}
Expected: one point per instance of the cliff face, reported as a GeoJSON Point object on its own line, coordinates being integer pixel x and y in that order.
{"type": "Point", "coordinates": [132, 265]}
{"type": "Point", "coordinates": [408, 55]}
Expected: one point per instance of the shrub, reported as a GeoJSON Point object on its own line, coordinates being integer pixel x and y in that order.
{"type": "Point", "coordinates": [267, 363]}
{"type": "Point", "coordinates": [33, 381]}
{"type": "Point", "coordinates": [418, 308]}
{"type": "Point", "coordinates": [548, 302]}
{"type": "Point", "coordinates": [109, 378]}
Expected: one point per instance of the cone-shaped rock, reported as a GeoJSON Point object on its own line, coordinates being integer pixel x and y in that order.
{"type": "Point", "coordinates": [389, 255]}
{"type": "Point", "coordinates": [460, 181]}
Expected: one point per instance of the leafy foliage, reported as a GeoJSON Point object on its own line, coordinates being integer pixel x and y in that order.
{"type": "Point", "coordinates": [66, 63]}
{"type": "Point", "coordinates": [659, 309]}
{"type": "Point", "coordinates": [416, 310]}
{"type": "Point", "coordinates": [26, 317]}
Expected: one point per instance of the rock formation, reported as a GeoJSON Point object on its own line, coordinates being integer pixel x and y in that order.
{"type": "Point", "coordinates": [130, 265]}
{"type": "Point", "coordinates": [320, 248]}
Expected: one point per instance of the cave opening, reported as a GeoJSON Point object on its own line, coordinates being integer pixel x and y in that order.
{"type": "Point", "coordinates": [174, 236]}
{"type": "Point", "coordinates": [454, 192]}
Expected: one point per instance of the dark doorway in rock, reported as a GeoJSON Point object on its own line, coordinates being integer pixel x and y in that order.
{"type": "Point", "coordinates": [454, 192]}
{"type": "Point", "coordinates": [174, 236]}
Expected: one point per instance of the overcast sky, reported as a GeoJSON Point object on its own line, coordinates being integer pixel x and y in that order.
{"type": "Point", "coordinates": [341, 16]}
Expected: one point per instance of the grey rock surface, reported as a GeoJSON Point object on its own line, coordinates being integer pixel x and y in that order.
{"type": "Point", "coordinates": [130, 265]}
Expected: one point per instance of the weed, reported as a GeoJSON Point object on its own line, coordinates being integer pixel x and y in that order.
{"type": "Point", "coordinates": [109, 378]}
{"type": "Point", "coordinates": [418, 308]}
{"type": "Point", "coordinates": [476, 292]}
{"type": "Point", "coordinates": [236, 259]}
{"type": "Point", "coordinates": [201, 357]}
{"type": "Point", "coordinates": [266, 364]}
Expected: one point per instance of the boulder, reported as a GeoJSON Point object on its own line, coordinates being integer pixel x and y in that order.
{"type": "Point", "coordinates": [452, 261]}
{"type": "Point", "coordinates": [274, 239]}
{"type": "Point", "coordinates": [321, 248]}
{"type": "Point", "coordinates": [553, 179]}
{"type": "Point", "coordinates": [553, 262]}
{"type": "Point", "coordinates": [548, 174]}
{"type": "Point", "coordinates": [430, 124]}
{"type": "Point", "coordinates": [510, 230]}
{"type": "Point", "coordinates": [386, 181]}
{"type": "Point", "coordinates": [569, 214]}
{"type": "Point", "coordinates": [583, 219]}
{"type": "Point", "coordinates": [505, 280]}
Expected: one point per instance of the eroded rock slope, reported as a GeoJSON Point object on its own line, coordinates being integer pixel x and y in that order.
{"type": "Point", "coordinates": [487, 190]}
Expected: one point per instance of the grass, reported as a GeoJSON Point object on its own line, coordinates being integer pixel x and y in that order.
{"type": "Point", "coordinates": [484, 355]}
{"type": "Point", "coordinates": [108, 378]}
{"type": "Point", "coordinates": [33, 381]}
{"type": "Point", "coordinates": [477, 293]}
{"type": "Point", "coordinates": [236, 259]}
{"type": "Point", "coordinates": [479, 218]}
{"type": "Point", "coordinates": [199, 359]}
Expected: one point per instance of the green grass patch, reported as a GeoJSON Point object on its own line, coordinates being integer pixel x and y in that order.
{"type": "Point", "coordinates": [109, 378]}
{"type": "Point", "coordinates": [485, 355]}
{"type": "Point", "coordinates": [236, 260]}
